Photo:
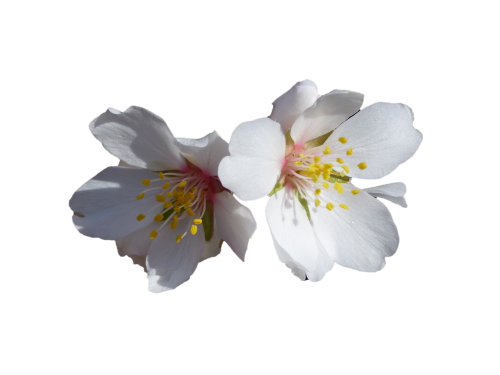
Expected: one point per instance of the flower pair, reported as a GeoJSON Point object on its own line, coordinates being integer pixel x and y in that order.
{"type": "Point", "coordinates": [169, 205]}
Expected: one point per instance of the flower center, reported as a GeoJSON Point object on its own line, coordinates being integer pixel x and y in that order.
{"type": "Point", "coordinates": [180, 195]}
{"type": "Point", "coordinates": [313, 170]}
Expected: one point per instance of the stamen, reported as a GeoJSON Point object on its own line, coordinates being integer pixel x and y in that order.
{"type": "Point", "coordinates": [345, 168]}
{"type": "Point", "coordinates": [162, 176]}
{"type": "Point", "coordinates": [194, 229]}
{"type": "Point", "coordinates": [298, 163]}
{"type": "Point", "coordinates": [197, 221]}
{"type": "Point", "coordinates": [327, 150]}
{"type": "Point", "coordinates": [317, 192]}
{"type": "Point", "coordinates": [160, 198]}
{"type": "Point", "coordinates": [317, 159]}
{"type": "Point", "coordinates": [146, 182]}
{"type": "Point", "coordinates": [317, 202]}
{"type": "Point", "coordinates": [178, 238]}
{"type": "Point", "coordinates": [325, 185]}
{"type": "Point", "coordinates": [167, 204]}
{"type": "Point", "coordinates": [140, 196]}
{"type": "Point", "coordinates": [362, 165]}
{"type": "Point", "coordinates": [153, 234]}
{"type": "Point", "coordinates": [140, 217]}
{"type": "Point", "coordinates": [354, 192]}
{"type": "Point", "coordinates": [169, 194]}
{"type": "Point", "coordinates": [345, 207]}
{"type": "Point", "coordinates": [158, 218]}
{"type": "Point", "coordinates": [338, 187]}
{"type": "Point", "coordinates": [300, 155]}
{"type": "Point", "coordinates": [343, 140]}
{"type": "Point", "coordinates": [190, 212]}
{"type": "Point", "coordinates": [340, 161]}
{"type": "Point", "coordinates": [329, 206]}
{"type": "Point", "coordinates": [166, 185]}
{"type": "Point", "coordinates": [349, 152]}
{"type": "Point", "coordinates": [182, 184]}
{"type": "Point", "coordinates": [173, 224]}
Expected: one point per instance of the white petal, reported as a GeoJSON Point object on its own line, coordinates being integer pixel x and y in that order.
{"type": "Point", "coordinates": [213, 247]}
{"type": "Point", "coordinates": [288, 222]}
{"type": "Point", "coordinates": [136, 243]}
{"type": "Point", "coordinates": [325, 115]}
{"type": "Point", "coordinates": [381, 135]}
{"type": "Point", "coordinates": [234, 222]}
{"type": "Point", "coordinates": [109, 205]}
{"type": "Point", "coordinates": [206, 153]}
{"type": "Point", "coordinates": [394, 192]}
{"type": "Point", "coordinates": [257, 151]}
{"type": "Point", "coordinates": [289, 262]}
{"type": "Point", "coordinates": [170, 263]}
{"type": "Point", "coordinates": [139, 138]}
{"type": "Point", "coordinates": [359, 237]}
{"type": "Point", "coordinates": [292, 103]}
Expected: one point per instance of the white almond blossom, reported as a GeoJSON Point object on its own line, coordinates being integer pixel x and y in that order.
{"type": "Point", "coordinates": [164, 205]}
{"type": "Point", "coordinates": [304, 156]}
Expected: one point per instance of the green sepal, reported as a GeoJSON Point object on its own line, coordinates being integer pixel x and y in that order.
{"type": "Point", "coordinates": [303, 202]}
{"type": "Point", "coordinates": [290, 144]}
{"type": "Point", "coordinates": [279, 185]}
{"type": "Point", "coordinates": [317, 141]}
{"type": "Point", "coordinates": [208, 221]}
{"type": "Point", "coordinates": [337, 178]}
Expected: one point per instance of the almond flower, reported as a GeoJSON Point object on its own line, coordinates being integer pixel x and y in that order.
{"type": "Point", "coordinates": [304, 157]}
{"type": "Point", "coordinates": [164, 205]}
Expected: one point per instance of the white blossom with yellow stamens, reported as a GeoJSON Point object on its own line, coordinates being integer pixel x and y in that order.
{"type": "Point", "coordinates": [164, 205]}
{"type": "Point", "coordinates": [304, 156]}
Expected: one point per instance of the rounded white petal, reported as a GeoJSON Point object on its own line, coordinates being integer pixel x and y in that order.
{"type": "Point", "coordinates": [136, 243]}
{"type": "Point", "coordinates": [359, 237]}
{"type": "Point", "coordinates": [394, 192]}
{"type": "Point", "coordinates": [293, 233]}
{"type": "Point", "coordinates": [381, 135]}
{"type": "Point", "coordinates": [289, 106]}
{"type": "Point", "coordinates": [139, 138]}
{"type": "Point", "coordinates": [206, 153]}
{"type": "Point", "coordinates": [169, 264]}
{"type": "Point", "coordinates": [329, 111]}
{"type": "Point", "coordinates": [257, 151]}
{"type": "Point", "coordinates": [235, 223]}
{"type": "Point", "coordinates": [108, 203]}
{"type": "Point", "coordinates": [213, 247]}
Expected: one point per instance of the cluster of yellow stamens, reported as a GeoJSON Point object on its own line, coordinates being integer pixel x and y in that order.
{"type": "Point", "coordinates": [311, 173]}
{"type": "Point", "coordinates": [179, 195]}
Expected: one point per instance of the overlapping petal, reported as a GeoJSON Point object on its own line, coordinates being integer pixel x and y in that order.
{"type": "Point", "coordinates": [289, 106]}
{"type": "Point", "coordinates": [206, 153]}
{"type": "Point", "coordinates": [212, 248]}
{"type": "Point", "coordinates": [170, 263]}
{"type": "Point", "coordinates": [235, 223]}
{"type": "Point", "coordinates": [394, 192]}
{"type": "Point", "coordinates": [359, 237]}
{"type": "Point", "coordinates": [329, 111]}
{"type": "Point", "coordinates": [108, 203]}
{"type": "Point", "coordinates": [381, 135]}
{"type": "Point", "coordinates": [293, 233]}
{"type": "Point", "coordinates": [139, 138]}
{"type": "Point", "coordinates": [257, 151]}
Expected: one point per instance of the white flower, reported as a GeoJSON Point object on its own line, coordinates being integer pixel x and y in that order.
{"type": "Point", "coordinates": [316, 215]}
{"type": "Point", "coordinates": [167, 205]}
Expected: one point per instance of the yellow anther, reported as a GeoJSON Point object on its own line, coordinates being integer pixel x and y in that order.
{"type": "Point", "coordinates": [354, 192]}
{"type": "Point", "coordinates": [203, 192]}
{"type": "Point", "coordinates": [349, 152]}
{"type": "Point", "coordinates": [153, 234]}
{"type": "Point", "coordinates": [158, 218]}
{"type": "Point", "coordinates": [326, 175]}
{"type": "Point", "coordinates": [188, 204]}
{"type": "Point", "coordinates": [178, 238]}
{"type": "Point", "coordinates": [182, 184]}
{"type": "Point", "coordinates": [345, 207]}
{"type": "Point", "coordinates": [169, 194]}
{"type": "Point", "coordinates": [300, 155]}
{"type": "Point", "coordinates": [317, 202]}
{"type": "Point", "coordinates": [167, 204]}
{"type": "Point", "coordinates": [328, 165]}
{"type": "Point", "coordinates": [343, 140]}
{"type": "Point", "coordinates": [190, 212]}
{"type": "Point", "coordinates": [298, 162]}
{"type": "Point", "coordinates": [342, 174]}
{"type": "Point", "coordinates": [340, 161]}
{"type": "Point", "coordinates": [191, 195]}
{"type": "Point", "coordinates": [362, 165]}
{"type": "Point", "coordinates": [194, 188]}
{"type": "Point", "coordinates": [146, 182]}
{"type": "Point", "coordinates": [160, 198]}
{"type": "Point", "coordinates": [325, 185]}
{"type": "Point", "coordinates": [317, 192]}
{"type": "Point", "coordinates": [317, 159]}
{"type": "Point", "coordinates": [140, 196]}
{"type": "Point", "coordinates": [162, 176]}
{"type": "Point", "coordinates": [173, 224]}
{"type": "Point", "coordinates": [194, 229]}
{"type": "Point", "coordinates": [327, 150]}
{"type": "Point", "coordinates": [312, 165]}
{"type": "Point", "coordinates": [314, 178]}
{"type": "Point", "coordinates": [140, 217]}
{"type": "Point", "coordinates": [197, 221]}
{"type": "Point", "coordinates": [345, 168]}
{"type": "Point", "coordinates": [177, 209]}
{"type": "Point", "coordinates": [304, 173]}
{"type": "Point", "coordinates": [176, 218]}
{"type": "Point", "coordinates": [329, 206]}
{"type": "Point", "coordinates": [338, 187]}
{"type": "Point", "coordinates": [166, 185]}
